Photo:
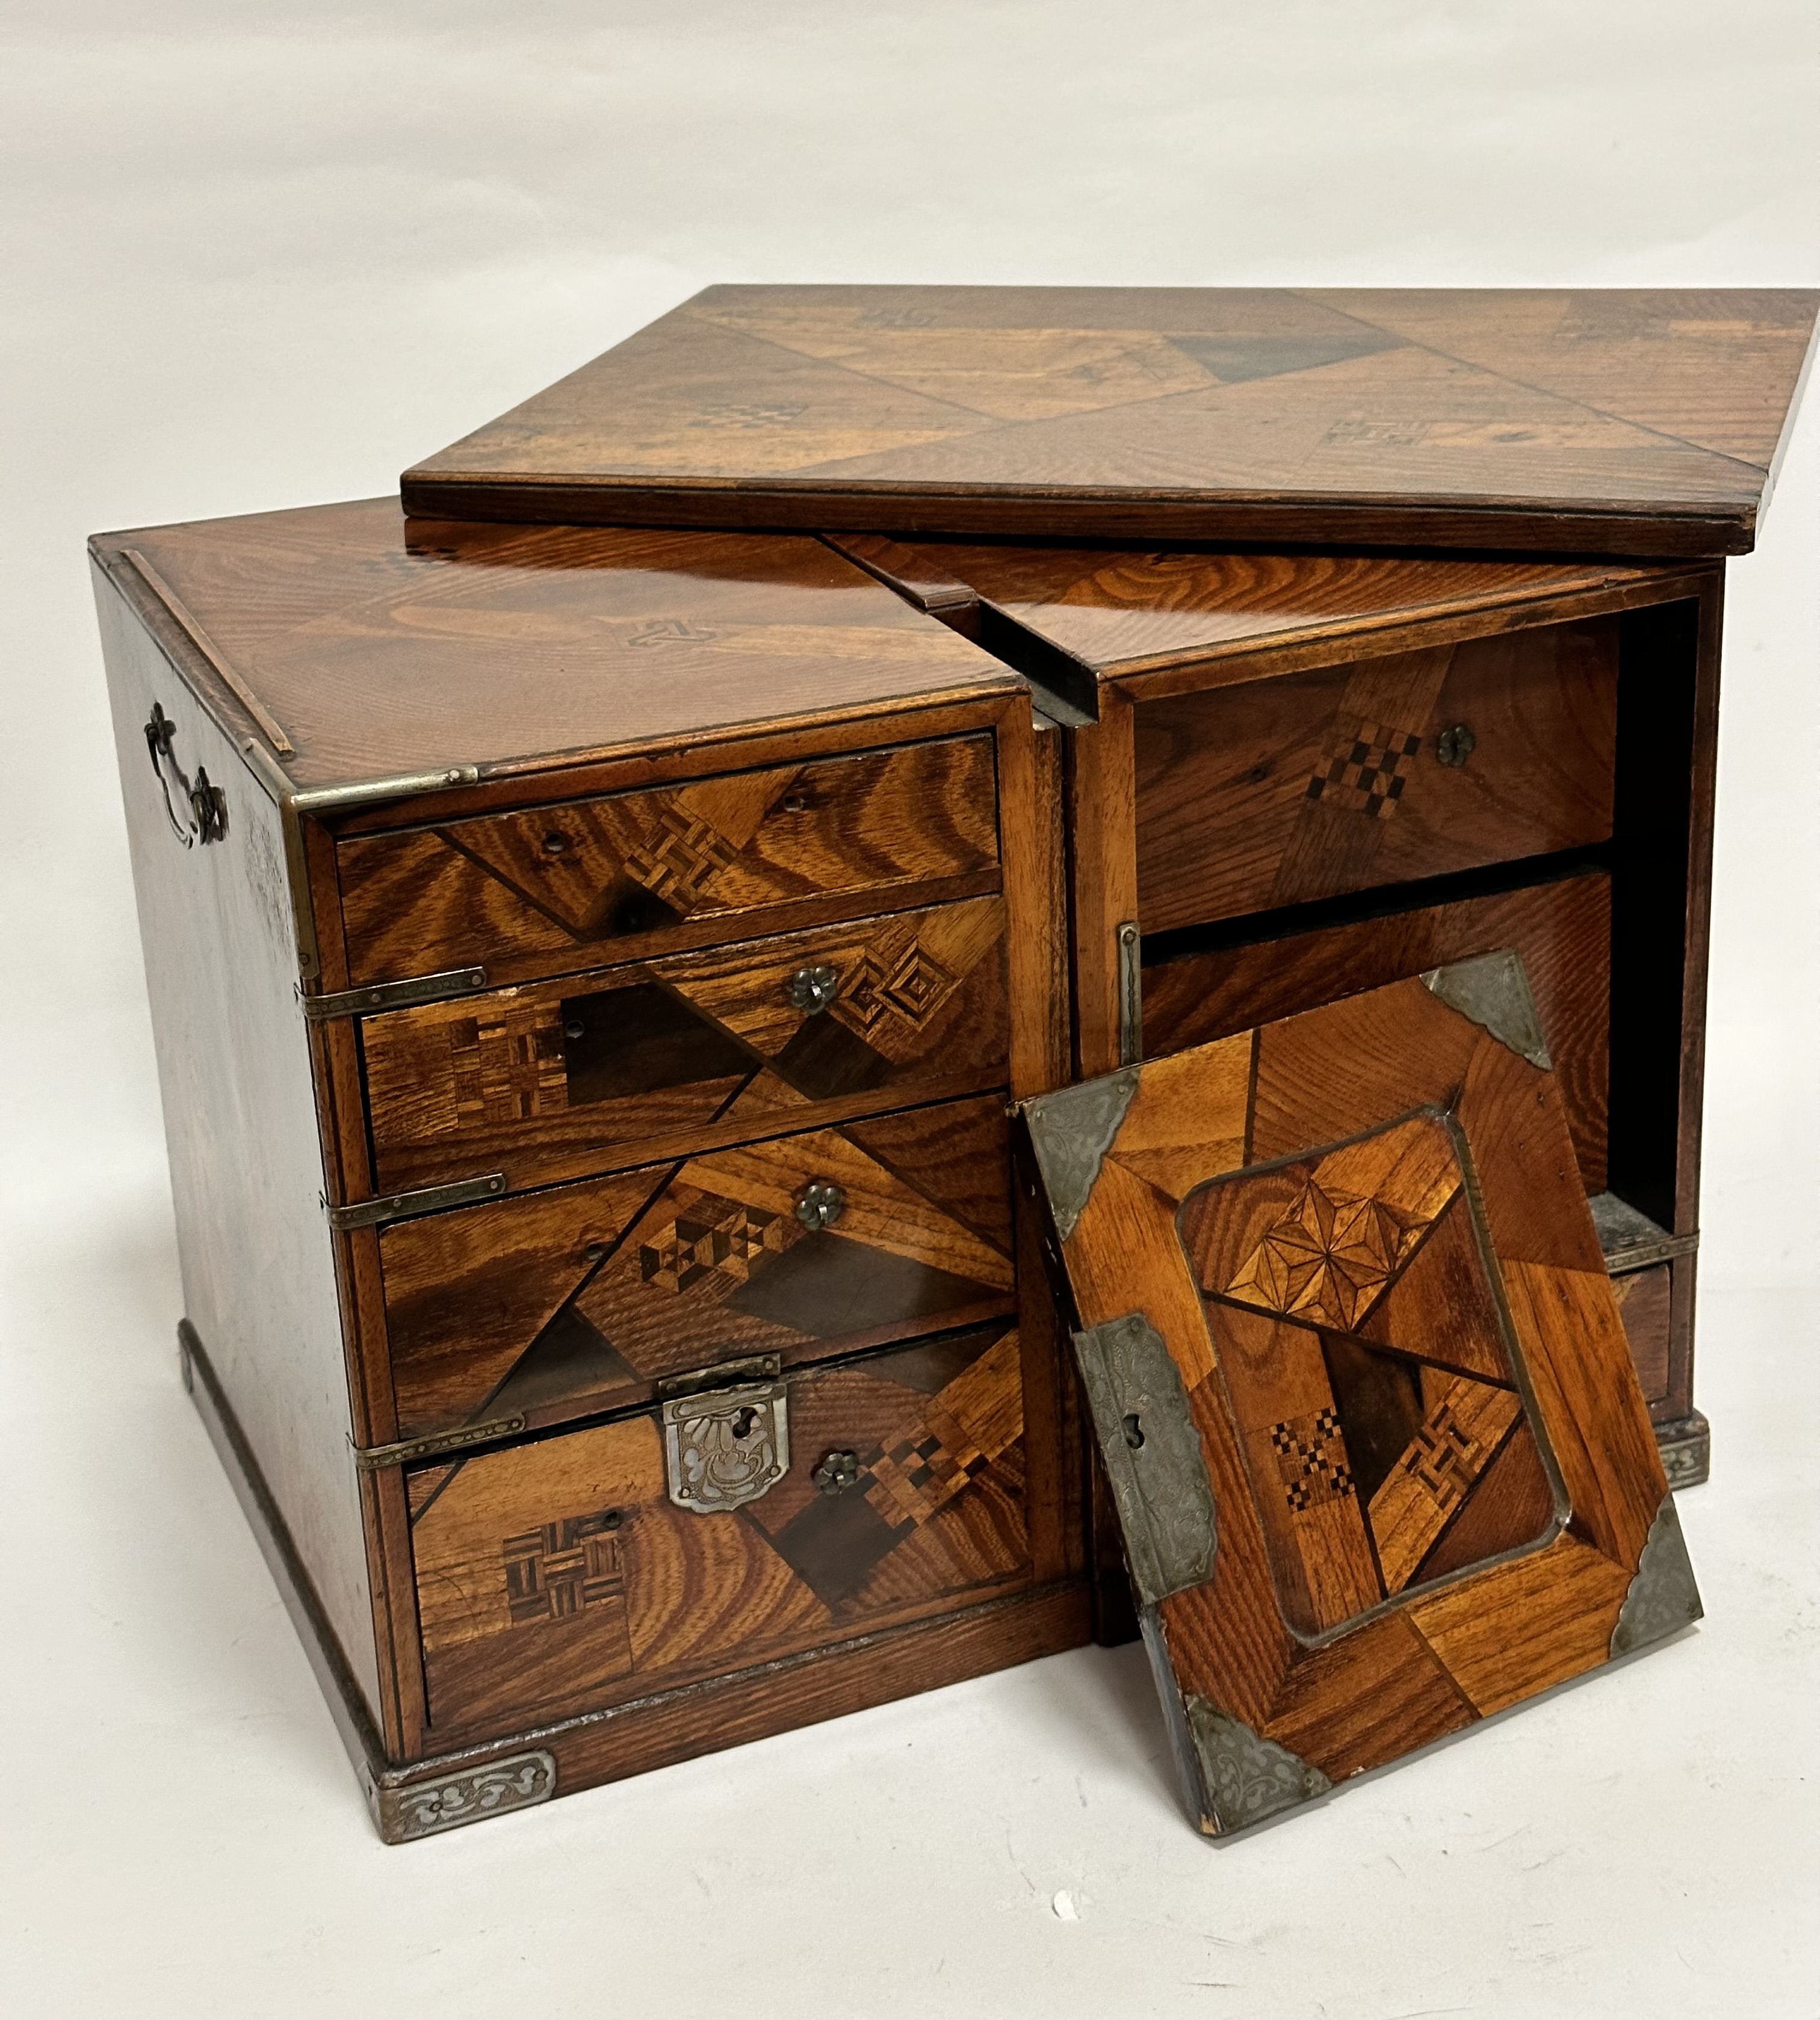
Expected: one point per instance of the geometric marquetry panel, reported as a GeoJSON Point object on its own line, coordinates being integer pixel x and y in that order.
{"type": "Point", "coordinates": [559, 1577]}
{"type": "Point", "coordinates": [544, 1081]}
{"type": "Point", "coordinates": [1358, 1377]}
{"type": "Point", "coordinates": [581, 1298]}
{"type": "Point", "coordinates": [1366, 1429]}
{"type": "Point", "coordinates": [555, 889]}
{"type": "Point", "coordinates": [1616, 421]}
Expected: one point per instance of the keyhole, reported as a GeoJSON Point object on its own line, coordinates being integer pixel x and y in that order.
{"type": "Point", "coordinates": [1134, 1433]}
{"type": "Point", "coordinates": [743, 1420]}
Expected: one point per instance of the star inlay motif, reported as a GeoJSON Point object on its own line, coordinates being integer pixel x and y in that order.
{"type": "Point", "coordinates": [1327, 1258]}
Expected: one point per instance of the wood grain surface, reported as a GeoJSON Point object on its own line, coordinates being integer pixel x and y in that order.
{"type": "Point", "coordinates": [559, 1576]}
{"type": "Point", "coordinates": [1433, 1465]}
{"type": "Point", "coordinates": [582, 1297]}
{"type": "Point", "coordinates": [1643, 1306]}
{"type": "Point", "coordinates": [235, 1071]}
{"type": "Point", "coordinates": [558, 1079]}
{"type": "Point", "coordinates": [384, 650]}
{"type": "Point", "coordinates": [1283, 791]}
{"type": "Point", "coordinates": [1138, 617]}
{"type": "Point", "coordinates": [1629, 421]}
{"type": "Point", "coordinates": [564, 885]}
{"type": "Point", "coordinates": [1562, 929]}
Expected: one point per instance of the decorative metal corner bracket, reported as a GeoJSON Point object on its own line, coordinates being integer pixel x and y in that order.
{"type": "Point", "coordinates": [421, 1809]}
{"type": "Point", "coordinates": [1071, 1131]}
{"type": "Point", "coordinates": [394, 995]}
{"type": "Point", "coordinates": [402, 1206]}
{"type": "Point", "coordinates": [1493, 990]}
{"type": "Point", "coordinates": [1245, 1778]}
{"type": "Point", "coordinates": [372, 1458]}
{"type": "Point", "coordinates": [1663, 1597]}
{"type": "Point", "coordinates": [1153, 1459]}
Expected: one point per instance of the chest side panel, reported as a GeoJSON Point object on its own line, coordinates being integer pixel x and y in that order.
{"type": "Point", "coordinates": [240, 1123]}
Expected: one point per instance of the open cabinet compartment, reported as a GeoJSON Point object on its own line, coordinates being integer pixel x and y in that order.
{"type": "Point", "coordinates": [1358, 1380]}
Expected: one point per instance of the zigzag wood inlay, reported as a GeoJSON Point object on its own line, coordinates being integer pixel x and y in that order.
{"type": "Point", "coordinates": [653, 1595]}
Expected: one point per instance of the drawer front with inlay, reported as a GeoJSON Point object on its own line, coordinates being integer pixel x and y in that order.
{"type": "Point", "coordinates": [583, 1297]}
{"type": "Point", "coordinates": [556, 888]}
{"type": "Point", "coordinates": [725, 1529]}
{"type": "Point", "coordinates": [560, 1079]}
{"type": "Point", "coordinates": [1277, 792]}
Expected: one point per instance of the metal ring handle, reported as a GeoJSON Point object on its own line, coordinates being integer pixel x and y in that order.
{"type": "Point", "coordinates": [204, 817]}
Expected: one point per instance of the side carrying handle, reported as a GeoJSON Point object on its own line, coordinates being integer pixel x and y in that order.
{"type": "Point", "coordinates": [198, 812]}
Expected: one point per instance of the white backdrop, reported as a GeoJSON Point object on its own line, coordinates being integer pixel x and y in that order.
{"type": "Point", "coordinates": [265, 257]}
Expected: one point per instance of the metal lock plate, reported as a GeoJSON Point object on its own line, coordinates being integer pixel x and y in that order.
{"type": "Point", "coordinates": [723, 1448]}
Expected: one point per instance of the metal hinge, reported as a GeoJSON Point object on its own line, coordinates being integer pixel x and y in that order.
{"type": "Point", "coordinates": [371, 1459]}
{"type": "Point", "coordinates": [395, 995]}
{"type": "Point", "coordinates": [1154, 1461]}
{"type": "Point", "coordinates": [1131, 995]}
{"type": "Point", "coordinates": [401, 1206]}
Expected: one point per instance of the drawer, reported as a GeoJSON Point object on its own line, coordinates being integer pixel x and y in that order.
{"type": "Point", "coordinates": [1280, 791]}
{"type": "Point", "coordinates": [559, 1079]}
{"type": "Point", "coordinates": [564, 1576]}
{"type": "Point", "coordinates": [1562, 929]}
{"type": "Point", "coordinates": [582, 1298]}
{"type": "Point", "coordinates": [1643, 1304]}
{"type": "Point", "coordinates": [553, 888]}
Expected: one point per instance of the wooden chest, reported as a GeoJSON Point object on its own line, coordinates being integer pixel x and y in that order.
{"type": "Point", "coordinates": [1305, 777]}
{"type": "Point", "coordinates": [595, 969]}
{"type": "Point", "coordinates": [590, 972]}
